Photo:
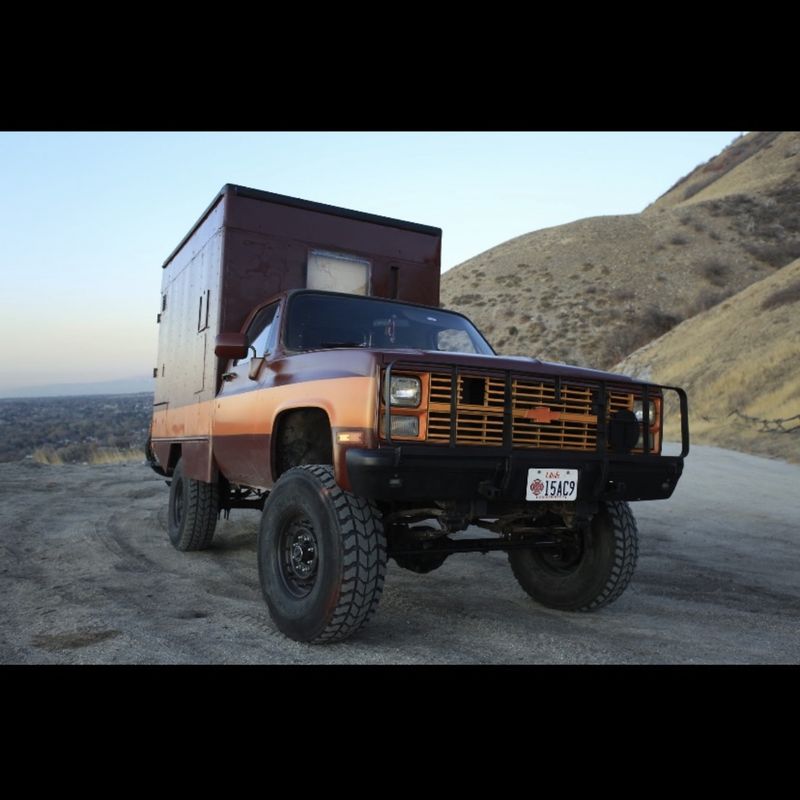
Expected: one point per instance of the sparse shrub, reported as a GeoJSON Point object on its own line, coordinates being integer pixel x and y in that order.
{"type": "Point", "coordinates": [637, 331]}
{"type": "Point", "coordinates": [714, 235]}
{"type": "Point", "coordinates": [660, 321]}
{"type": "Point", "coordinates": [777, 254]}
{"type": "Point", "coordinates": [789, 294]}
{"type": "Point", "coordinates": [708, 298]}
{"type": "Point", "coordinates": [686, 220]}
{"type": "Point", "coordinates": [661, 246]}
{"type": "Point", "coordinates": [715, 272]}
{"type": "Point", "coordinates": [678, 239]}
{"type": "Point", "coordinates": [513, 330]}
{"type": "Point", "coordinates": [692, 190]}
{"type": "Point", "coordinates": [466, 298]}
{"type": "Point", "coordinates": [770, 231]}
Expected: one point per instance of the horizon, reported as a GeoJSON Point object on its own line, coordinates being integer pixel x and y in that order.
{"type": "Point", "coordinates": [90, 217]}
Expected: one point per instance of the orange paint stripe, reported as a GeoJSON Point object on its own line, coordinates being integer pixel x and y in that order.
{"type": "Point", "coordinates": [349, 402]}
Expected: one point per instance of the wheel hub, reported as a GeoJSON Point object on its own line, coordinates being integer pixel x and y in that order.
{"type": "Point", "coordinates": [304, 554]}
{"type": "Point", "coordinates": [299, 556]}
{"type": "Point", "coordinates": [562, 559]}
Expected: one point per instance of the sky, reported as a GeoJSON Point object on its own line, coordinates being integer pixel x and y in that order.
{"type": "Point", "coordinates": [87, 219]}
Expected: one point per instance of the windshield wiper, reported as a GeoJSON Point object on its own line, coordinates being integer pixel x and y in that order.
{"type": "Point", "coordinates": [342, 344]}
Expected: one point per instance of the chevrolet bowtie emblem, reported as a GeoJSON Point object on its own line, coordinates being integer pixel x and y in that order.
{"type": "Point", "coordinates": [542, 414]}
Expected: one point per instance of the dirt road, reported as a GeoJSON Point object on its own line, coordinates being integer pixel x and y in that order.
{"type": "Point", "coordinates": [87, 575]}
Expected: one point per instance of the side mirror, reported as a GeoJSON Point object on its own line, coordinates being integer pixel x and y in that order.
{"type": "Point", "coordinates": [231, 345]}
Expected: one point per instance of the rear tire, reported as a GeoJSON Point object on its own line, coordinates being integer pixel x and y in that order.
{"type": "Point", "coordinates": [586, 578]}
{"type": "Point", "coordinates": [193, 511]}
{"type": "Point", "coordinates": [321, 556]}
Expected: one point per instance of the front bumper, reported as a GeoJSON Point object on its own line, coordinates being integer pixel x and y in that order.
{"type": "Point", "coordinates": [414, 473]}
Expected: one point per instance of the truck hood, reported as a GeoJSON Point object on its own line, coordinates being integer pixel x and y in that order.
{"type": "Point", "coordinates": [521, 364]}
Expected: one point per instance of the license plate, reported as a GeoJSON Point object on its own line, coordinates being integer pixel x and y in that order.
{"type": "Point", "coordinates": [552, 484]}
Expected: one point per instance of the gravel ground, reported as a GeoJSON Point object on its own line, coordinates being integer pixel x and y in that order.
{"type": "Point", "coordinates": [87, 575]}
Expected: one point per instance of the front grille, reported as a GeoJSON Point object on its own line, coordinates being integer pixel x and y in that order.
{"type": "Point", "coordinates": [538, 419]}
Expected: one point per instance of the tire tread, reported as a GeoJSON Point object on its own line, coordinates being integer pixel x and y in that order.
{"type": "Point", "coordinates": [364, 558]}
{"type": "Point", "coordinates": [201, 509]}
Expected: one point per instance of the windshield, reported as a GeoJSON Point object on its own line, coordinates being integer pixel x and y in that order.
{"type": "Point", "coordinates": [317, 321]}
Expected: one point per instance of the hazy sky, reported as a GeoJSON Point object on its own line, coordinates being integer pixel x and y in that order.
{"type": "Point", "coordinates": [87, 219]}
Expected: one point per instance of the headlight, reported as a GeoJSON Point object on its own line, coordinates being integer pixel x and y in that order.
{"type": "Point", "coordinates": [638, 411]}
{"type": "Point", "coordinates": [404, 391]}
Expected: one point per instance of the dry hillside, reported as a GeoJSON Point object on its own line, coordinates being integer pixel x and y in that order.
{"type": "Point", "coordinates": [741, 356]}
{"type": "Point", "coordinates": [591, 292]}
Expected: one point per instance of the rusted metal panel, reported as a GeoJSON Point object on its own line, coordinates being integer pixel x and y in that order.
{"type": "Point", "coordinates": [197, 463]}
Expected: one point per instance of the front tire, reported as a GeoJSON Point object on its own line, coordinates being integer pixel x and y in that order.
{"type": "Point", "coordinates": [583, 578]}
{"type": "Point", "coordinates": [193, 511]}
{"type": "Point", "coordinates": [321, 556]}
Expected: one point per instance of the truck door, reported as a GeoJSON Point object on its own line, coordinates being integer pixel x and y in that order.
{"type": "Point", "coordinates": [242, 415]}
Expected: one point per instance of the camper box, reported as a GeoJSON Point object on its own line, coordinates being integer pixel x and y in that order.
{"type": "Point", "coordinates": [250, 245]}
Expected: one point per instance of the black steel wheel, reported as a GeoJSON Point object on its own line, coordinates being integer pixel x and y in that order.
{"type": "Point", "coordinates": [193, 511]}
{"type": "Point", "coordinates": [299, 556]}
{"type": "Point", "coordinates": [321, 556]}
{"type": "Point", "coordinates": [582, 576]}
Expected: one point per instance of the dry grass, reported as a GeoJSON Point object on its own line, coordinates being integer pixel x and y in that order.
{"type": "Point", "coordinates": [106, 455]}
{"type": "Point", "coordinates": [743, 355]}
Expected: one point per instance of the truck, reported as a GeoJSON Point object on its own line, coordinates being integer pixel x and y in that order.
{"type": "Point", "coordinates": [306, 370]}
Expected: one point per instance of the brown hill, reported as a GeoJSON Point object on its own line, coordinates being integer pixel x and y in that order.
{"type": "Point", "coordinates": [740, 365]}
{"type": "Point", "coordinates": [754, 164]}
{"type": "Point", "coordinates": [591, 292]}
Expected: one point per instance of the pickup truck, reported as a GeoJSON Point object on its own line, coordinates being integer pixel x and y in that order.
{"type": "Point", "coordinates": [364, 423]}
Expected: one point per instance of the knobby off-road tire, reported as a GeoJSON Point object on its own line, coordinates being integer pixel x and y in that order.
{"type": "Point", "coordinates": [321, 556]}
{"type": "Point", "coordinates": [588, 577]}
{"type": "Point", "coordinates": [193, 511]}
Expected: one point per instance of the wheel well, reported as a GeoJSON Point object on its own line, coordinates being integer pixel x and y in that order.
{"type": "Point", "coordinates": [301, 436]}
